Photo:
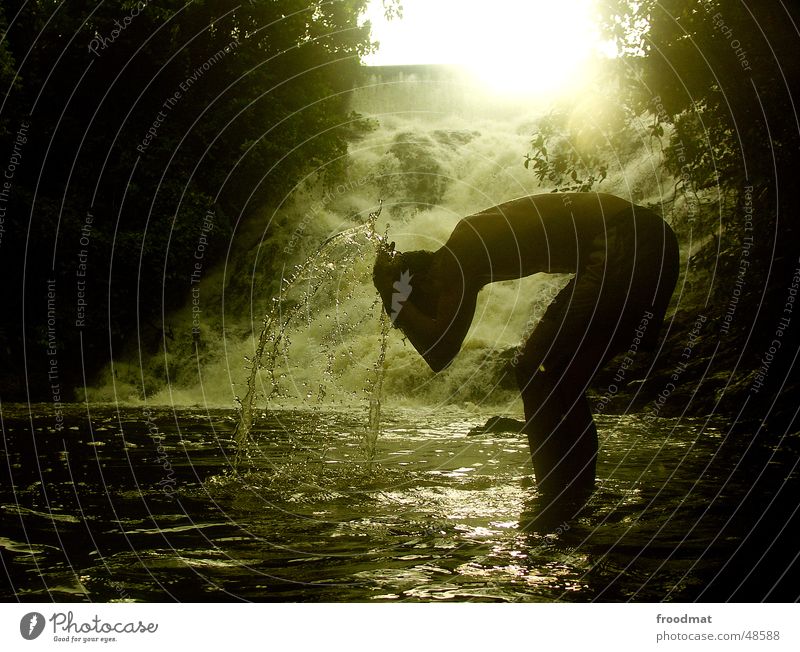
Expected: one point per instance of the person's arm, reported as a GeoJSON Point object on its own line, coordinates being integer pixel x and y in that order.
{"type": "Point", "coordinates": [439, 340]}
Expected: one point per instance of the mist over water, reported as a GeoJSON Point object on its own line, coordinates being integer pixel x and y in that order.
{"type": "Point", "coordinates": [437, 151]}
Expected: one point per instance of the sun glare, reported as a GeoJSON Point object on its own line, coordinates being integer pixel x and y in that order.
{"type": "Point", "coordinates": [526, 47]}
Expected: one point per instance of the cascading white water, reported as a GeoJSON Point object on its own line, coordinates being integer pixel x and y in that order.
{"type": "Point", "coordinates": [433, 163]}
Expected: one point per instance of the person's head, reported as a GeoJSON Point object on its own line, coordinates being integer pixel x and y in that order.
{"type": "Point", "coordinates": [424, 289]}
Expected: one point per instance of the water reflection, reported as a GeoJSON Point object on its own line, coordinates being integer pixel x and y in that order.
{"type": "Point", "coordinates": [440, 515]}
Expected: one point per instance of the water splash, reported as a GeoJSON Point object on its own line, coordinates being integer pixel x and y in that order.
{"type": "Point", "coordinates": [274, 339]}
{"type": "Point", "coordinates": [374, 421]}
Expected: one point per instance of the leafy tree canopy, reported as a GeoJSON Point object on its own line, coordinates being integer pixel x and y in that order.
{"type": "Point", "coordinates": [716, 76]}
{"type": "Point", "coordinates": [149, 116]}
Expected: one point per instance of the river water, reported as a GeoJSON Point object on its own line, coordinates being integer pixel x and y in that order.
{"type": "Point", "coordinates": [137, 504]}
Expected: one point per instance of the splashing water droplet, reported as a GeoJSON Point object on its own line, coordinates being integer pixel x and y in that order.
{"type": "Point", "coordinates": [274, 341]}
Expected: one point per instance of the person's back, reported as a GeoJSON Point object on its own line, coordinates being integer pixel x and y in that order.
{"type": "Point", "coordinates": [542, 233]}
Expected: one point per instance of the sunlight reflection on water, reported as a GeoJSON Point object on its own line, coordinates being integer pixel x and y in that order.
{"type": "Point", "coordinates": [439, 516]}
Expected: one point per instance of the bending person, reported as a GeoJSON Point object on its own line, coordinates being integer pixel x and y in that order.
{"type": "Point", "coordinates": [625, 261]}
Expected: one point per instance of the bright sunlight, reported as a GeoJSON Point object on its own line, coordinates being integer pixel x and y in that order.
{"type": "Point", "coordinates": [525, 47]}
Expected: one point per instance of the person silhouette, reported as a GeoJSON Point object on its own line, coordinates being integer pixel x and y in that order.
{"type": "Point", "coordinates": [625, 263]}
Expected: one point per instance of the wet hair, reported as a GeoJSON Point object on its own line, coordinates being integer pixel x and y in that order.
{"type": "Point", "coordinates": [424, 292]}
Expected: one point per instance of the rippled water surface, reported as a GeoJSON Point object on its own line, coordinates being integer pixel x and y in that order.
{"type": "Point", "coordinates": [128, 505]}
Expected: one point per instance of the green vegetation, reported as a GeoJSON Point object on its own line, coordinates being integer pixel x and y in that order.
{"type": "Point", "coordinates": [146, 123]}
{"type": "Point", "coordinates": [573, 155]}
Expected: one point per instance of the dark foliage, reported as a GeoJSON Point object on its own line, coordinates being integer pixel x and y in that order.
{"type": "Point", "coordinates": [721, 79]}
{"type": "Point", "coordinates": [134, 125]}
